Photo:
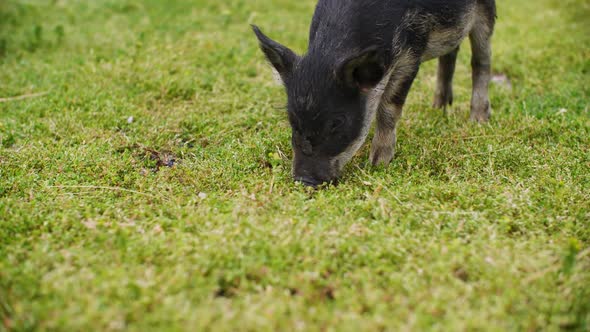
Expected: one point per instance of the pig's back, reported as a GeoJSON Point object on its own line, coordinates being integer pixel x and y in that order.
{"type": "Point", "coordinates": [354, 23]}
{"type": "Point", "coordinates": [339, 25]}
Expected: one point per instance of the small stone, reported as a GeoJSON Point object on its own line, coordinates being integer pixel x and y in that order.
{"type": "Point", "coordinates": [202, 195]}
{"type": "Point", "coordinates": [502, 80]}
{"type": "Point", "coordinates": [130, 119]}
{"type": "Point", "coordinates": [169, 162]}
{"type": "Point", "coordinates": [90, 224]}
{"type": "Point", "coordinates": [157, 229]}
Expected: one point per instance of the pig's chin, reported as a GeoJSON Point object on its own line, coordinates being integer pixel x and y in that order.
{"type": "Point", "coordinates": [337, 163]}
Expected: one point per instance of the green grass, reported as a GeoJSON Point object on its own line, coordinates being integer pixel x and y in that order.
{"type": "Point", "coordinates": [472, 227]}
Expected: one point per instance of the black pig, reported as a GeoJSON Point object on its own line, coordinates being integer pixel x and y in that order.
{"type": "Point", "coordinates": [362, 58]}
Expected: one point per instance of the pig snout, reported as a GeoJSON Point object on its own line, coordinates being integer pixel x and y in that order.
{"type": "Point", "coordinates": [313, 172]}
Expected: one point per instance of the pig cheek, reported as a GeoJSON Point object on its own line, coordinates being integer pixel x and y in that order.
{"type": "Point", "coordinates": [296, 161]}
{"type": "Point", "coordinates": [293, 164]}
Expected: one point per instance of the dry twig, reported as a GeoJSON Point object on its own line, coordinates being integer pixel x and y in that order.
{"type": "Point", "coordinates": [21, 97]}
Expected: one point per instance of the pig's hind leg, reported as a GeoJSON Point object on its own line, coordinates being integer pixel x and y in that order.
{"type": "Point", "coordinates": [480, 38]}
{"type": "Point", "coordinates": [444, 81]}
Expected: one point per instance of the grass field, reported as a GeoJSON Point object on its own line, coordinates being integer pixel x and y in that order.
{"type": "Point", "coordinates": [145, 180]}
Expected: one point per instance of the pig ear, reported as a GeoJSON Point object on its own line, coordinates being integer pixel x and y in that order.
{"type": "Point", "coordinates": [281, 57]}
{"type": "Point", "coordinates": [362, 71]}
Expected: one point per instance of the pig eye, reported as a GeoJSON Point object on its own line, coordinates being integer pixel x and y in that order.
{"type": "Point", "coordinates": [337, 123]}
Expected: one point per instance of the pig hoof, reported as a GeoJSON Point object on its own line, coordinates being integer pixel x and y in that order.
{"type": "Point", "coordinates": [442, 100]}
{"type": "Point", "coordinates": [381, 155]}
{"type": "Point", "coordinates": [481, 114]}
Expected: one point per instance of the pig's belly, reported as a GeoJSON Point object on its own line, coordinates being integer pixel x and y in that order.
{"type": "Point", "coordinates": [443, 42]}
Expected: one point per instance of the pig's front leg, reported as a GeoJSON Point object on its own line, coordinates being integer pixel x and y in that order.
{"type": "Point", "coordinates": [390, 111]}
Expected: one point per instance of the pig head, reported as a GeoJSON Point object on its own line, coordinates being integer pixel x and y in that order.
{"type": "Point", "coordinates": [330, 103]}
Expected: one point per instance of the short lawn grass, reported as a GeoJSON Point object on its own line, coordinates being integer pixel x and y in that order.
{"type": "Point", "coordinates": [145, 180]}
